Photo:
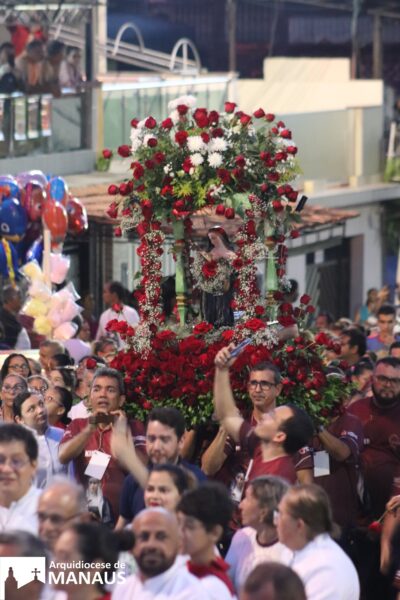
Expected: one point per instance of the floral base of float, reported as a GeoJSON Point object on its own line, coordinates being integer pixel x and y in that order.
{"type": "Point", "coordinates": [237, 163]}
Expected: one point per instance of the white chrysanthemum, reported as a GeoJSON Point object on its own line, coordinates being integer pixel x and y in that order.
{"type": "Point", "coordinates": [187, 100]}
{"type": "Point", "coordinates": [195, 143]}
{"type": "Point", "coordinates": [215, 160]}
{"type": "Point", "coordinates": [196, 159]}
{"type": "Point", "coordinates": [141, 123]}
{"type": "Point", "coordinates": [167, 169]}
{"type": "Point", "coordinates": [174, 116]}
{"type": "Point", "coordinates": [217, 145]}
{"type": "Point", "coordinates": [136, 144]}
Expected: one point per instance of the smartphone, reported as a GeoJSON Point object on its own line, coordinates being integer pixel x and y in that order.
{"type": "Point", "coordinates": [101, 418]}
{"type": "Point", "coordinates": [236, 351]}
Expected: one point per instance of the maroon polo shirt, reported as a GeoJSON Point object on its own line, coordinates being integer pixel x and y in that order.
{"type": "Point", "coordinates": [100, 439]}
{"type": "Point", "coordinates": [381, 456]}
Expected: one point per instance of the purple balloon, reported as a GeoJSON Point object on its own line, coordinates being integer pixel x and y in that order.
{"type": "Point", "coordinates": [34, 176]}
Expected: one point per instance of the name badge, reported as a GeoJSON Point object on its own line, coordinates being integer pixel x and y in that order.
{"type": "Point", "coordinates": [321, 464]}
{"type": "Point", "coordinates": [98, 464]}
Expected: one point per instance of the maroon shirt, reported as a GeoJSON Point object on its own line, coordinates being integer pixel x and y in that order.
{"type": "Point", "coordinates": [100, 439]}
{"type": "Point", "coordinates": [282, 466]}
{"type": "Point", "coordinates": [381, 455]}
{"type": "Point", "coordinates": [341, 483]}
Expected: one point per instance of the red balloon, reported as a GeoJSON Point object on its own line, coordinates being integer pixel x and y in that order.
{"type": "Point", "coordinates": [55, 218]}
{"type": "Point", "coordinates": [77, 216]}
{"type": "Point", "coordinates": [34, 200]}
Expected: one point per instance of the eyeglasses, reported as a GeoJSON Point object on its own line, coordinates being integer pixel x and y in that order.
{"type": "Point", "coordinates": [54, 519]}
{"type": "Point", "coordinates": [264, 385]}
{"type": "Point", "coordinates": [37, 390]}
{"type": "Point", "coordinates": [388, 380]}
{"type": "Point", "coordinates": [22, 367]}
{"type": "Point", "coordinates": [15, 463]}
{"type": "Point", "coordinates": [13, 388]}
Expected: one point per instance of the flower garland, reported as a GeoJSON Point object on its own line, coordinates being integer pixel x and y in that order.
{"type": "Point", "coordinates": [212, 275]}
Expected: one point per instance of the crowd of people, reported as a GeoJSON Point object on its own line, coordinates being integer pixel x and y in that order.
{"type": "Point", "coordinates": [267, 505]}
{"type": "Point", "coordinates": [30, 62]}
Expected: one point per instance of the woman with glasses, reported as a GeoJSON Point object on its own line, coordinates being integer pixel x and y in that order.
{"type": "Point", "coordinates": [257, 541]}
{"type": "Point", "coordinates": [58, 402]}
{"type": "Point", "coordinates": [12, 386]}
{"type": "Point", "coordinates": [38, 384]}
{"type": "Point", "coordinates": [16, 364]}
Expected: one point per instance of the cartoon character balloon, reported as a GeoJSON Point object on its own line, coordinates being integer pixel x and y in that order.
{"type": "Point", "coordinates": [57, 190]}
{"type": "Point", "coordinates": [13, 223]}
{"type": "Point", "coordinates": [77, 216]}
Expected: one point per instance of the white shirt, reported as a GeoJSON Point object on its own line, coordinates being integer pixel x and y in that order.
{"type": "Point", "coordinates": [21, 514]}
{"type": "Point", "coordinates": [79, 411]}
{"type": "Point", "coordinates": [127, 314]}
{"type": "Point", "coordinates": [49, 465]}
{"type": "Point", "coordinates": [327, 572]}
{"type": "Point", "coordinates": [216, 588]}
{"type": "Point", "coordinates": [176, 583]}
{"type": "Point", "coordinates": [245, 553]}
{"type": "Point", "coordinates": [23, 342]}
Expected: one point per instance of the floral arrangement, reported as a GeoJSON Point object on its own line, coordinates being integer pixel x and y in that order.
{"type": "Point", "coordinates": [238, 163]}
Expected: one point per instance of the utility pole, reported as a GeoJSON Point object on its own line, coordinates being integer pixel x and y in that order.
{"type": "Point", "coordinates": [231, 23]}
{"type": "Point", "coordinates": [377, 49]}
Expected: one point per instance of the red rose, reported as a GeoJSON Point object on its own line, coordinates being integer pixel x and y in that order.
{"type": "Point", "coordinates": [259, 113]}
{"type": "Point", "coordinates": [113, 190]}
{"type": "Point", "coordinates": [375, 527]}
{"type": "Point", "coordinates": [217, 132]}
{"type": "Point", "coordinates": [278, 295]}
{"type": "Point", "coordinates": [310, 309]}
{"type": "Point", "coordinates": [273, 176]}
{"type": "Point", "coordinates": [181, 137]}
{"type": "Point", "coordinates": [305, 299]}
{"type": "Point", "coordinates": [224, 175]}
{"type": "Point", "coordinates": [286, 133]}
{"type": "Point", "coordinates": [240, 161]}
{"type": "Point", "coordinates": [201, 118]}
{"type": "Point", "coordinates": [166, 335]}
{"type": "Point", "coordinates": [286, 307]}
{"type": "Point", "coordinates": [147, 405]}
{"type": "Point", "coordinates": [118, 232]}
{"type": "Point", "coordinates": [91, 363]}
{"type": "Point", "coordinates": [237, 264]}
{"type": "Point", "coordinates": [152, 142]}
{"type": "Point", "coordinates": [286, 320]}
{"type": "Point", "coordinates": [294, 234]}
{"type": "Point", "coordinates": [213, 117]}
{"type": "Point", "coordinates": [229, 213]}
{"type": "Point", "coordinates": [205, 137]}
{"type": "Point", "coordinates": [167, 123]}
{"type": "Point", "coordinates": [124, 150]}
{"type": "Point", "coordinates": [124, 189]}
{"type": "Point", "coordinates": [182, 109]}
{"type": "Point", "coordinates": [107, 153]}
{"type": "Point", "coordinates": [149, 164]}
{"type": "Point", "coordinates": [202, 328]}
{"type": "Point", "coordinates": [277, 206]}
{"type": "Point", "coordinates": [270, 117]}
{"type": "Point", "coordinates": [209, 269]}
{"type": "Point", "coordinates": [134, 123]}
{"type": "Point", "coordinates": [138, 171]}
{"type": "Point", "coordinates": [112, 210]}
{"type": "Point", "coordinates": [291, 150]}
{"type": "Point", "coordinates": [159, 157]}
{"type": "Point", "coordinates": [259, 310]}
{"type": "Point", "coordinates": [230, 107]}
{"type": "Point", "coordinates": [187, 164]}
{"type": "Point", "coordinates": [245, 119]}
{"type": "Point", "coordinates": [150, 123]}
{"type": "Point", "coordinates": [254, 324]}
{"type": "Point", "coordinates": [220, 209]}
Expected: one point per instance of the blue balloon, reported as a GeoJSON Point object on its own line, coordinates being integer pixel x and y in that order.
{"type": "Point", "coordinates": [35, 252]}
{"type": "Point", "coordinates": [12, 183]}
{"type": "Point", "coordinates": [57, 189]}
{"type": "Point", "coordinates": [13, 220]}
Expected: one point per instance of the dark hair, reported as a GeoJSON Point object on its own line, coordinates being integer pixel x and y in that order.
{"type": "Point", "coordinates": [67, 400]}
{"type": "Point", "coordinates": [115, 287]}
{"type": "Point", "coordinates": [11, 432]}
{"type": "Point", "coordinates": [299, 429]}
{"type": "Point", "coordinates": [103, 341]}
{"type": "Point", "coordinates": [113, 374]}
{"type": "Point", "coordinates": [386, 309]}
{"type": "Point", "coordinates": [311, 504]}
{"type": "Point", "coordinates": [294, 286]}
{"type": "Point", "coordinates": [285, 582]}
{"type": "Point", "coordinates": [182, 479]}
{"type": "Point", "coordinates": [394, 346]}
{"type": "Point", "coordinates": [26, 543]}
{"type": "Point", "coordinates": [223, 235]}
{"type": "Point", "coordinates": [33, 45]}
{"type": "Point", "coordinates": [63, 359]}
{"type": "Point", "coordinates": [68, 376]}
{"type": "Point", "coordinates": [170, 416]}
{"type": "Point", "coordinates": [5, 367]}
{"type": "Point", "coordinates": [54, 47]}
{"type": "Point", "coordinates": [268, 491]}
{"type": "Point", "coordinates": [328, 315]}
{"type": "Point", "coordinates": [362, 366]}
{"type": "Point", "coordinates": [356, 338]}
{"type": "Point", "coordinates": [19, 400]}
{"type": "Point", "coordinates": [96, 541]}
{"type": "Point", "coordinates": [10, 51]}
{"type": "Point", "coordinates": [267, 366]}
{"type": "Point", "coordinates": [390, 361]}
{"type": "Point", "coordinates": [210, 503]}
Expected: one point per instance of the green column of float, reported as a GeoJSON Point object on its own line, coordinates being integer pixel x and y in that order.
{"type": "Point", "coordinates": [180, 280]}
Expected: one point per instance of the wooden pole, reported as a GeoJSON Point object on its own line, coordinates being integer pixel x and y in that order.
{"type": "Point", "coordinates": [377, 47]}
{"type": "Point", "coordinates": [46, 256]}
{"type": "Point", "coordinates": [231, 22]}
{"type": "Point", "coordinates": [354, 39]}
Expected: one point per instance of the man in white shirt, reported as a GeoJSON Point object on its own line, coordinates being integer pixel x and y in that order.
{"type": "Point", "coordinates": [30, 411]}
{"type": "Point", "coordinates": [113, 294]}
{"type": "Point", "coordinates": [18, 462]}
{"type": "Point", "coordinates": [162, 573]}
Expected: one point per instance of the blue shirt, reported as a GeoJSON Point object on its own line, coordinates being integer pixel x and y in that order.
{"type": "Point", "coordinates": [132, 495]}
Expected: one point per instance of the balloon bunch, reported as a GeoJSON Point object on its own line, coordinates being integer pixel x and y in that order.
{"type": "Point", "coordinates": [28, 203]}
{"type": "Point", "coordinates": [52, 312]}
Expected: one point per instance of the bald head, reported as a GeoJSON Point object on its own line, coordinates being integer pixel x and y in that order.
{"type": "Point", "coordinates": [60, 504]}
{"type": "Point", "coordinates": [157, 541]}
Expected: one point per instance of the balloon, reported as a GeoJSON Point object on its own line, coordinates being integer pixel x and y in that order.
{"type": "Point", "coordinates": [32, 176]}
{"type": "Point", "coordinates": [42, 326]}
{"type": "Point", "coordinates": [8, 261]}
{"type": "Point", "coordinates": [55, 218]}
{"type": "Point", "coordinates": [35, 252]}
{"type": "Point", "coordinates": [77, 216]}
{"type": "Point", "coordinates": [13, 221]}
{"type": "Point", "coordinates": [9, 186]}
{"type": "Point", "coordinates": [58, 190]}
{"type": "Point", "coordinates": [34, 200]}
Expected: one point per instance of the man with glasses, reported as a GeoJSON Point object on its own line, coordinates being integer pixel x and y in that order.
{"type": "Point", "coordinates": [18, 462]}
{"type": "Point", "coordinates": [278, 434]}
{"type": "Point", "coordinates": [12, 386]}
{"type": "Point", "coordinates": [224, 457]}
{"type": "Point", "coordinates": [61, 503]}
{"type": "Point", "coordinates": [380, 416]}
